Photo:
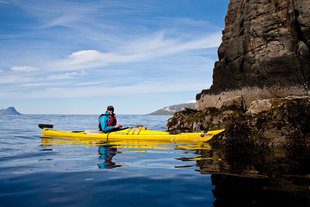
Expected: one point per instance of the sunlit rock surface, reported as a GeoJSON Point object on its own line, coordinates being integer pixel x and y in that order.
{"type": "Point", "coordinates": [270, 122]}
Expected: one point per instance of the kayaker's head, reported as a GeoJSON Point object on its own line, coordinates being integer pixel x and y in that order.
{"type": "Point", "coordinates": [110, 109]}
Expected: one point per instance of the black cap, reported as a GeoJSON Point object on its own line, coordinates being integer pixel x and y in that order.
{"type": "Point", "coordinates": [110, 108]}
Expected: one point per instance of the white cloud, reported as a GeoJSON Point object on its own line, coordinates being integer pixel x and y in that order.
{"type": "Point", "coordinates": [15, 79]}
{"type": "Point", "coordinates": [140, 50]}
{"type": "Point", "coordinates": [88, 83]}
{"type": "Point", "coordinates": [84, 56]}
{"type": "Point", "coordinates": [70, 75]}
{"type": "Point", "coordinates": [38, 84]}
{"type": "Point", "coordinates": [1, 70]}
{"type": "Point", "coordinates": [159, 45]}
{"type": "Point", "coordinates": [23, 68]}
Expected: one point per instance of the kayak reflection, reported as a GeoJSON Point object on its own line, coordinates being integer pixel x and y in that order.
{"type": "Point", "coordinates": [106, 153]}
{"type": "Point", "coordinates": [108, 149]}
{"type": "Point", "coordinates": [128, 143]}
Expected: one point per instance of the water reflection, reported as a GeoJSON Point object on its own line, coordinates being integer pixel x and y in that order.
{"type": "Point", "coordinates": [232, 190]}
{"type": "Point", "coordinates": [241, 177]}
{"type": "Point", "coordinates": [106, 153]}
{"type": "Point", "coordinates": [258, 177]}
{"type": "Point", "coordinates": [128, 144]}
{"type": "Point", "coordinates": [108, 149]}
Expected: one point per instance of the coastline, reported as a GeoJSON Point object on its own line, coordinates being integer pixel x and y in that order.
{"type": "Point", "coordinates": [276, 122]}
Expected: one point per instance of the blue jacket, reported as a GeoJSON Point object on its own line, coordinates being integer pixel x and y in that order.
{"type": "Point", "coordinates": [104, 120]}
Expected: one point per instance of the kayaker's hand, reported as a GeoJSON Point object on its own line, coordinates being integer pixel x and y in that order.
{"type": "Point", "coordinates": [118, 126]}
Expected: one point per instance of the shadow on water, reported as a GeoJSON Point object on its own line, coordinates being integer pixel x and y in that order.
{"type": "Point", "coordinates": [241, 177]}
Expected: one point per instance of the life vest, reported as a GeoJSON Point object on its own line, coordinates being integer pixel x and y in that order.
{"type": "Point", "coordinates": [112, 121]}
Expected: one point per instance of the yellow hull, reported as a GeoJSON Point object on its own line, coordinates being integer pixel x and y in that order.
{"type": "Point", "coordinates": [132, 133]}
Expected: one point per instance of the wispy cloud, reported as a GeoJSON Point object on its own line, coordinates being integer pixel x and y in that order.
{"type": "Point", "coordinates": [24, 68]}
{"type": "Point", "coordinates": [8, 79]}
{"type": "Point", "coordinates": [76, 14]}
{"type": "Point", "coordinates": [146, 87]}
{"type": "Point", "coordinates": [124, 47]}
{"type": "Point", "coordinates": [64, 20]}
{"type": "Point", "coordinates": [64, 76]}
{"type": "Point", "coordinates": [140, 88]}
{"type": "Point", "coordinates": [38, 84]}
{"type": "Point", "coordinates": [88, 83]}
{"type": "Point", "coordinates": [153, 47]}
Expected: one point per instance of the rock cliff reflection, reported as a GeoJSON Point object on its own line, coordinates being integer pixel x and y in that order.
{"type": "Point", "coordinates": [258, 177]}
{"type": "Point", "coordinates": [241, 177]}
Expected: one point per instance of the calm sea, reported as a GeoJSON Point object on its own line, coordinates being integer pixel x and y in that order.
{"type": "Point", "coordinates": [36, 171]}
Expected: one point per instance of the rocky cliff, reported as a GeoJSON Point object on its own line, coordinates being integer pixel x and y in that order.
{"type": "Point", "coordinates": [260, 91]}
{"type": "Point", "coordinates": [276, 122]}
{"type": "Point", "coordinates": [265, 50]}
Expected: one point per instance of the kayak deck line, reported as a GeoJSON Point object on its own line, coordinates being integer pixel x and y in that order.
{"type": "Point", "coordinates": [139, 132]}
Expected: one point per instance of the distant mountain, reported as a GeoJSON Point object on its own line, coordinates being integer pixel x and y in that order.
{"type": "Point", "coordinates": [170, 110]}
{"type": "Point", "coordinates": [9, 111]}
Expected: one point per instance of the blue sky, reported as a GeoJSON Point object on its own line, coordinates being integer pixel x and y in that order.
{"type": "Point", "coordinates": [77, 57]}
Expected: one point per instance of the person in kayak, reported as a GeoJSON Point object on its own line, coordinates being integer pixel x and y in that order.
{"type": "Point", "coordinates": [107, 121]}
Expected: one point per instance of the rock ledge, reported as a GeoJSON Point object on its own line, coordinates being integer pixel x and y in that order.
{"type": "Point", "coordinates": [275, 122]}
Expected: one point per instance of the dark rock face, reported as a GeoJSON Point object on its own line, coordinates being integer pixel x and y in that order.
{"type": "Point", "coordinates": [265, 43]}
{"type": "Point", "coordinates": [9, 111]}
{"type": "Point", "coordinates": [265, 48]}
{"type": "Point", "coordinates": [264, 60]}
{"type": "Point", "coordinates": [277, 122]}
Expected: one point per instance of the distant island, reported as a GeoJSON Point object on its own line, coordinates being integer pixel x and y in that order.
{"type": "Point", "coordinates": [170, 110]}
{"type": "Point", "coordinates": [9, 111]}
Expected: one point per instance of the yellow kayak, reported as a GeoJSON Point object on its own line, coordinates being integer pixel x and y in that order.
{"type": "Point", "coordinates": [131, 133]}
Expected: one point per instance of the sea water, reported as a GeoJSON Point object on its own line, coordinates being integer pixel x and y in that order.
{"type": "Point", "coordinates": [38, 171]}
